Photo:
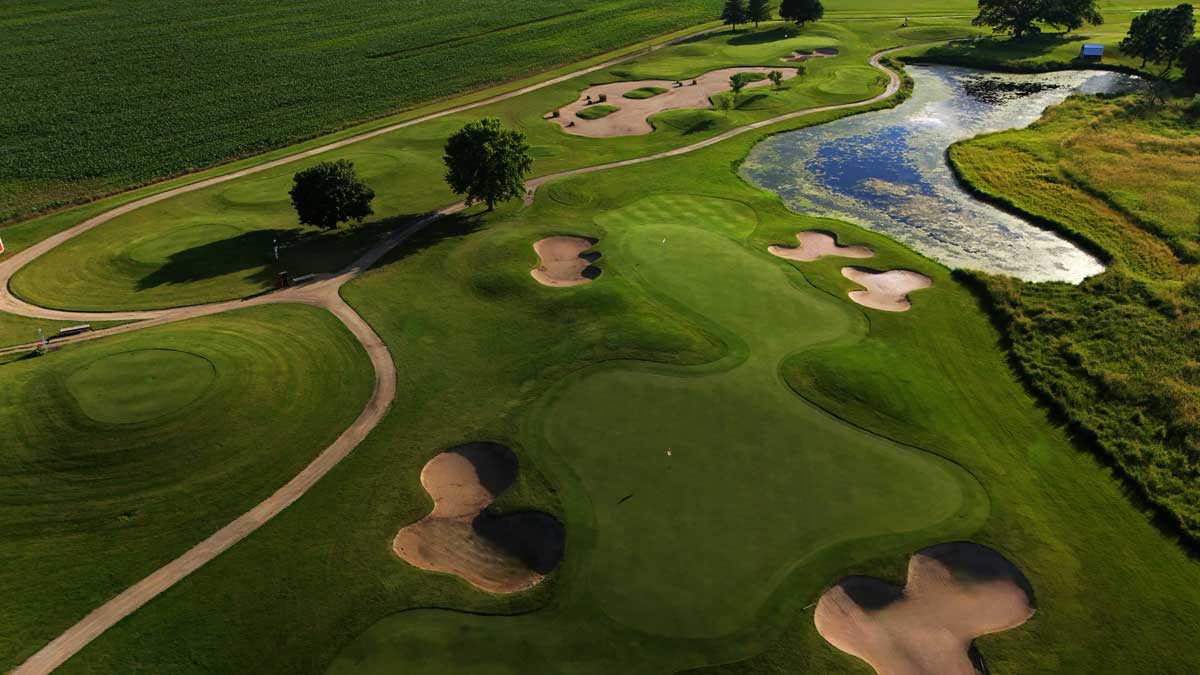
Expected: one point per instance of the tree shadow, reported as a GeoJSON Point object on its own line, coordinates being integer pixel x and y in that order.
{"type": "Point", "coordinates": [758, 37]}
{"type": "Point", "coordinates": [447, 227]}
{"type": "Point", "coordinates": [995, 49]}
{"type": "Point", "coordinates": [248, 251]}
{"type": "Point", "coordinates": [301, 251]}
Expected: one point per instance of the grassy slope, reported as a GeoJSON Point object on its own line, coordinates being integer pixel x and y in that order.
{"type": "Point", "coordinates": [92, 500]}
{"type": "Point", "coordinates": [230, 226]}
{"type": "Point", "coordinates": [322, 573]}
{"type": "Point", "coordinates": [242, 77]}
{"type": "Point", "coordinates": [1117, 354]}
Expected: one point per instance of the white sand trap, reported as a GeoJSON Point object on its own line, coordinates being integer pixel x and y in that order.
{"type": "Point", "coordinates": [632, 118]}
{"type": "Point", "coordinates": [563, 261]}
{"type": "Point", "coordinates": [887, 291]}
{"type": "Point", "coordinates": [815, 244]}
{"type": "Point", "coordinates": [500, 554]}
{"type": "Point", "coordinates": [955, 592]}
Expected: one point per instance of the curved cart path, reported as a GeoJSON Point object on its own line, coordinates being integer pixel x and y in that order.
{"type": "Point", "coordinates": [321, 292]}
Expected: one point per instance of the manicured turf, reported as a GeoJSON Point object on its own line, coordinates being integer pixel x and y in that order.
{"type": "Point", "coordinates": [592, 427]}
{"type": "Point", "coordinates": [108, 268]}
{"type": "Point", "coordinates": [120, 454]}
{"type": "Point", "coordinates": [244, 76]}
{"type": "Point", "coordinates": [644, 92]}
{"type": "Point", "coordinates": [595, 112]}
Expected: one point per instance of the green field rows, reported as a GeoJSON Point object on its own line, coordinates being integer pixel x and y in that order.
{"type": "Point", "coordinates": [101, 97]}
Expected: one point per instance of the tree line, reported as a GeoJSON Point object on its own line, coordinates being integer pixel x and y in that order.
{"type": "Point", "coordinates": [736, 12]}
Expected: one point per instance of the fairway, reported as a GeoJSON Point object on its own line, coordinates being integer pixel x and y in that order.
{"type": "Point", "coordinates": [652, 414]}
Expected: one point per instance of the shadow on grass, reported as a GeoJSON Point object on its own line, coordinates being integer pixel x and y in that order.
{"type": "Point", "coordinates": [758, 37]}
{"type": "Point", "coordinates": [301, 251]}
{"type": "Point", "coordinates": [991, 50]}
{"type": "Point", "coordinates": [447, 227]}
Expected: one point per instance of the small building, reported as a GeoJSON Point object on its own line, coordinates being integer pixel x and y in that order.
{"type": "Point", "coordinates": [1091, 52]}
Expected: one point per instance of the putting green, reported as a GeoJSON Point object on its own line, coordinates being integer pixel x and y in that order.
{"type": "Point", "coordinates": [707, 486]}
{"type": "Point", "coordinates": [670, 563]}
{"type": "Point", "coordinates": [140, 385]}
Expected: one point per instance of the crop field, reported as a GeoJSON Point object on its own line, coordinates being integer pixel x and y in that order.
{"type": "Point", "coordinates": [720, 430]}
{"type": "Point", "coordinates": [101, 97]}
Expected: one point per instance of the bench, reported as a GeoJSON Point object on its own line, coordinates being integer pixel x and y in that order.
{"type": "Point", "coordinates": [73, 330]}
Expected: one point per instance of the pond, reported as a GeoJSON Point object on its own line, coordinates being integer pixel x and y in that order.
{"type": "Point", "coordinates": [887, 170]}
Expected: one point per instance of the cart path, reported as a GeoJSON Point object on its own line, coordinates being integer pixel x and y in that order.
{"type": "Point", "coordinates": [323, 291]}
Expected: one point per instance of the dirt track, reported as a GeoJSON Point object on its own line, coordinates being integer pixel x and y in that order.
{"type": "Point", "coordinates": [321, 292]}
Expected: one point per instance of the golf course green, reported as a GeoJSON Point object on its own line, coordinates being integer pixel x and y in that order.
{"type": "Point", "coordinates": [722, 433]}
{"type": "Point", "coordinates": [134, 448]}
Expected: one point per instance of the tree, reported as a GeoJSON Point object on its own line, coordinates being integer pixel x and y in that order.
{"type": "Point", "coordinates": [737, 82]}
{"type": "Point", "coordinates": [1160, 35]}
{"type": "Point", "coordinates": [734, 13]}
{"type": "Point", "coordinates": [1071, 15]}
{"type": "Point", "coordinates": [758, 10]}
{"type": "Point", "coordinates": [1189, 58]}
{"type": "Point", "coordinates": [487, 163]}
{"type": "Point", "coordinates": [776, 78]}
{"type": "Point", "coordinates": [801, 11]}
{"type": "Point", "coordinates": [1018, 17]}
{"type": "Point", "coordinates": [329, 194]}
{"type": "Point", "coordinates": [725, 104]}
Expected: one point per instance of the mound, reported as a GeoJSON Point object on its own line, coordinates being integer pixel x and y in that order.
{"type": "Point", "coordinates": [955, 592]}
{"type": "Point", "coordinates": [887, 291]}
{"type": "Point", "coordinates": [502, 554]}
{"type": "Point", "coordinates": [633, 116]}
{"type": "Point", "coordinates": [814, 245]}
{"type": "Point", "coordinates": [161, 247]}
{"type": "Point", "coordinates": [563, 261]}
{"type": "Point", "coordinates": [140, 385]}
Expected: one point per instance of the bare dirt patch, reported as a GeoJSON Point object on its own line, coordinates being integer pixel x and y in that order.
{"type": "Point", "coordinates": [815, 244]}
{"type": "Point", "coordinates": [499, 554]}
{"type": "Point", "coordinates": [955, 593]}
{"type": "Point", "coordinates": [633, 117]}
{"type": "Point", "coordinates": [564, 262]}
{"type": "Point", "coordinates": [887, 291]}
{"type": "Point", "coordinates": [802, 55]}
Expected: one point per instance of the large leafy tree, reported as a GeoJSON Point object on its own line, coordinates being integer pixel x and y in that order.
{"type": "Point", "coordinates": [1189, 58]}
{"type": "Point", "coordinates": [329, 194]}
{"type": "Point", "coordinates": [733, 13]}
{"type": "Point", "coordinates": [1022, 17]}
{"type": "Point", "coordinates": [1018, 17]}
{"type": "Point", "coordinates": [1071, 15]}
{"type": "Point", "coordinates": [801, 11]}
{"type": "Point", "coordinates": [1160, 35]}
{"type": "Point", "coordinates": [758, 10]}
{"type": "Point", "coordinates": [487, 162]}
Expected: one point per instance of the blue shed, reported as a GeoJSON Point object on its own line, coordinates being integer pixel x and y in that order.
{"type": "Point", "coordinates": [1092, 52]}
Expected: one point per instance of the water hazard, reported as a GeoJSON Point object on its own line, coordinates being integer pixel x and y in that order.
{"type": "Point", "coordinates": [887, 170]}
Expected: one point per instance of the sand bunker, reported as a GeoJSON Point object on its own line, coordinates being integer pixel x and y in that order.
{"type": "Point", "coordinates": [887, 291]}
{"type": "Point", "coordinates": [501, 554]}
{"type": "Point", "coordinates": [806, 54]}
{"type": "Point", "coordinates": [632, 120]}
{"type": "Point", "coordinates": [564, 262]}
{"type": "Point", "coordinates": [815, 244]}
{"type": "Point", "coordinates": [955, 592]}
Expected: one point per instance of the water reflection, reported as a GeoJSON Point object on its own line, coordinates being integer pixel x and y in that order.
{"type": "Point", "coordinates": [887, 171]}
